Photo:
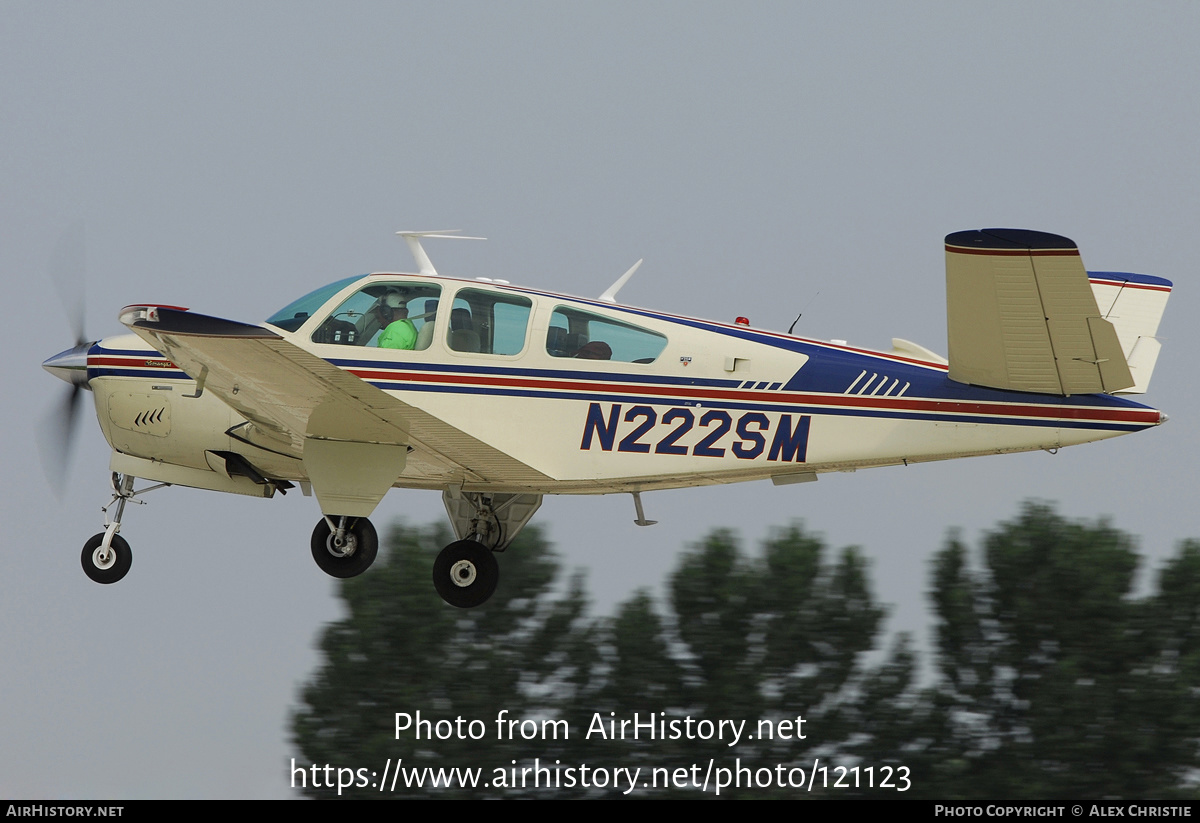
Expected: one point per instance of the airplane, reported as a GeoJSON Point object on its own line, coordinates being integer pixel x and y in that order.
{"type": "Point", "coordinates": [496, 395]}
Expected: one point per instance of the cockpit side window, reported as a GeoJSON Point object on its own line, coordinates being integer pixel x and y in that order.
{"type": "Point", "coordinates": [488, 322]}
{"type": "Point", "coordinates": [588, 336]}
{"type": "Point", "coordinates": [385, 315]}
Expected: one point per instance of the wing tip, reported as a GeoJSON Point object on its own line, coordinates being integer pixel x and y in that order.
{"type": "Point", "coordinates": [170, 320]}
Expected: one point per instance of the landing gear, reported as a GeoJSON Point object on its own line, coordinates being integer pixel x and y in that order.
{"type": "Point", "coordinates": [344, 546]}
{"type": "Point", "coordinates": [106, 557]}
{"type": "Point", "coordinates": [106, 564]}
{"type": "Point", "coordinates": [465, 574]}
{"type": "Point", "coordinates": [490, 518]}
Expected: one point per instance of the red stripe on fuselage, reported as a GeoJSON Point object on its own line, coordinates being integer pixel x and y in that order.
{"type": "Point", "coordinates": [130, 361]}
{"type": "Point", "coordinates": [998, 409]}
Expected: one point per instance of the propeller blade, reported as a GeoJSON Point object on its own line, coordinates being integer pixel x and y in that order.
{"type": "Point", "coordinates": [56, 431]}
{"type": "Point", "coordinates": [56, 434]}
{"type": "Point", "coordinates": [67, 270]}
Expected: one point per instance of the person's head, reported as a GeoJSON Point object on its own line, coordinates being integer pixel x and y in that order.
{"type": "Point", "coordinates": [595, 350]}
{"type": "Point", "coordinates": [393, 307]}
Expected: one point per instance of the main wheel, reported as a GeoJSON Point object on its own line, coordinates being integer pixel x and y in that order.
{"type": "Point", "coordinates": [356, 553]}
{"type": "Point", "coordinates": [465, 574]}
{"type": "Point", "coordinates": [106, 566]}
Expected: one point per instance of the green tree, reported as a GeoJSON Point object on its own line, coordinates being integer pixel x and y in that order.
{"type": "Point", "coordinates": [1054, 680]}
{"type": "Point", "coordinates": [401, 649]}
{"type": "Point", "coordinates": [1051, 678]}
{"type": "Point", "coordinates": [742, 638]}
{"type": "Point", "coordinates": [778, 637]}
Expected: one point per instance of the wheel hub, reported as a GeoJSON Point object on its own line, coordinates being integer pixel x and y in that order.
{"type": "Point", "coordinates": [462, 573]}
{"type": "Point", "coordinates": [349, 544]}
{"type": "Point", "coordinates": [103, 559]}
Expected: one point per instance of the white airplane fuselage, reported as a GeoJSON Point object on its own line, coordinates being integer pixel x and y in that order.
{"type": "Point", "coordinates": [719, 403]}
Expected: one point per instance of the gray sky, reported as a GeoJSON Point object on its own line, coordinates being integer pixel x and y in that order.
{"type": "Point", "coordinates": [763, 158]}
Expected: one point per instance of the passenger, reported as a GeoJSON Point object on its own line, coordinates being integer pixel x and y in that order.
{"type": "Point", "coordinates": [398, 331]}
{"type": "Point", "coordinates": [595, 350]}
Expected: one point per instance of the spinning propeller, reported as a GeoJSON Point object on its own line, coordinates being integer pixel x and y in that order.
{"type": "Point", "coordinates": [56, 430]}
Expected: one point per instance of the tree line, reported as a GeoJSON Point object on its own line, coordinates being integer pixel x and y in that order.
{"type": "Point", "coordinates": [1050, 677]}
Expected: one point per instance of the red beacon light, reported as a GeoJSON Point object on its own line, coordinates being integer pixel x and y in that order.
{"type": "Point", "coordinates": [742, 321]}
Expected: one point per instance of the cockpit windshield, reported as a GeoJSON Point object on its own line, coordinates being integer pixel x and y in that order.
{"type": "Point", "coordinates": [294, 314]}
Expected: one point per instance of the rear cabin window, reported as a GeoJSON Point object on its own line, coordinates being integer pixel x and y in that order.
{"type": "Point", "coordinates": [384, 315]}
{"type": "Point", "coordinates": [588, 336]}
{"type": "Point", "coordinates": [486, 322]}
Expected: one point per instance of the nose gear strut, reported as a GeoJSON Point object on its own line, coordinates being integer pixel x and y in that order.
{"type": "Point", "coordinates": [106, 556]}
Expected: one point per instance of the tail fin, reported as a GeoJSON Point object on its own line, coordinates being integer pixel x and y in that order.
{"type": "Point", "coordinates": [1021, 316]}
{"type": "Point", "coordinates": [1134, 304]}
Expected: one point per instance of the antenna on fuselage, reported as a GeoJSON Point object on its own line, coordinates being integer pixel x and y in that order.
{"type": "Point", "coordinates": [413, 238]}
{"type": "Point", "coordinates": [801, 314]}
{"type": "Point", "coordinates": [610, 295]}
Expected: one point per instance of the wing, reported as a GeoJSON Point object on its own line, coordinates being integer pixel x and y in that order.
{"type": "Point", "coordinates": [1021, 315]}
{"type": "Point", "coordinates": [312, 405]}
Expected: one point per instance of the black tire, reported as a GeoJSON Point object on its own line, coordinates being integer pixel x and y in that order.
{"type": "Point", "coordinates": [465, 574]}
{"type": "Point", "coordinates": [106, 571]}
{"type": "Point", "coordinates": [362, 544]}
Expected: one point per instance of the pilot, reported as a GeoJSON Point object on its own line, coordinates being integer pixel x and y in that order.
{"type": "Point", "coordinates": [398, 331]}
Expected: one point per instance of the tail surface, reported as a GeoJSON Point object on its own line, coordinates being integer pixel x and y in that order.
{"type": "Point", "coordinates": [1024, 315]}
{"type": "Point", "coordinates": [1134, 304]}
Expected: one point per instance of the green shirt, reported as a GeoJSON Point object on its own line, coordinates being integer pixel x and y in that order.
{"type": "Point", "coordinates": [401, 334]}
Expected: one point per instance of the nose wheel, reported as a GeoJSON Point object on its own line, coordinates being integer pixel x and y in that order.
{"type": "Point", "coordinates": [106, 564]}
{"type": "Point", "coordinates": [465, 574]}
{"type": "Point", "coordinates": [106, 556]}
